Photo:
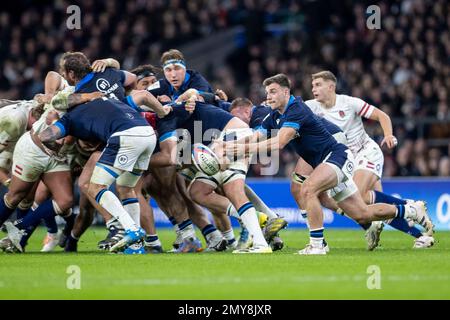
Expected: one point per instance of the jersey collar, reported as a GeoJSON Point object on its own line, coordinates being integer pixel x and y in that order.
{"type": "Point", "coordinates": [83, 81]}
{"type": "Point", "coordinates": [291, 101]}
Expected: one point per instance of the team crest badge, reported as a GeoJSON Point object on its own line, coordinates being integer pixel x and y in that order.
{"type": "Point", "coordinates": [341, 113]}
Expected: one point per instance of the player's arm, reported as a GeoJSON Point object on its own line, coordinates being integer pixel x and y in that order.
{"type": "Point", "coordinates": [386, 125]}
{"type": "Point", "coordinates": [56, 131]}
{"type": "Point", "coordinates": [102, 64]}
{"type": "Point", "coordinates": [278, 142]}
{"type": "Point", "coordinates": [142, 99]}
{"type": "Point", "coordinates": [65, 99]}
{"type": "Point", "coordinates": [52, 83]}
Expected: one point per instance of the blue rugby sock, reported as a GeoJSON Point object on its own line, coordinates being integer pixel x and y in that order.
{"type": "Point", "coordinates": [398, 222]}
{"type": "Point", "coordinates": [21, 213]}
{"type": "Point", "coordinates": [380, 197]}
{"type": "Point", "coordinates": [51, 225]}
{"type": "Point", "coordinates": [5, 211]}
{"type": "Point", "coordinates": [45, 210]}
{"type": "Point", "coordinates": [402, 225]}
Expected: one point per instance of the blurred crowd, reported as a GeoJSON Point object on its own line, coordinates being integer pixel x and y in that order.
{"type": "Point", "coordinates": [403, 68]}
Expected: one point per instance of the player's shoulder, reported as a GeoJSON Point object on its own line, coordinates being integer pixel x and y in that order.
{"type": "Point", "coordinates": [312, 102]}
{"type": "Point", "coordinates": [346, 100]}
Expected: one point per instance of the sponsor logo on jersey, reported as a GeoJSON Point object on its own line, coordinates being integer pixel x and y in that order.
{"type": "Point", "coordinates": [122, 159]}
{"type": "Point", "coordinates": [102, 84]}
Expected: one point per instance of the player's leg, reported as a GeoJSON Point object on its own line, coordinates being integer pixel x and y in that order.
{"type": "Point", "coordinates": [367, 177]}
{"type": "Point", "coordinates": [235, 192]}
{"type": "Point", "coordinates": [82, 222]}
{"type": "Point", "coordinates": [152, 243]}
{"type": "Point", "coordinates": [322, 178]}
{"type": "Point", "coordinates": [52, 238]}
{"type": "Point", "coordinates": [132, 157]}
{"type": "Point", "coordinates": [112, 224]}
{"type": "Point", "coordinates": [103, 176]}
{"type": "Point", "coordinates": [202, 192]}
{"type": "Point", "coordinates": [18, 190]}
{"type": "Point", "coordinates": [163, 188]}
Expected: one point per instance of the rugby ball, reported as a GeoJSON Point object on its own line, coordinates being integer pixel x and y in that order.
{"type": "Point", "coordinates": [205, 160]}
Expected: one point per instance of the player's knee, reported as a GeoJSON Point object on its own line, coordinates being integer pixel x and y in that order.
{"type": "Point", "coordinates": [64, 205]}
{"type": "Point", "coordinates": [83, 186]}
{"type": "Point", "coordinates": [14, 198]}
{"type": "Point", "coordinates": [94, 189]}
{"type": "Point", "coordinates": [308, 191]}
{"type": "Point", "coordinates": [125, 192]}
{"type": "Point", "coordinates": [197, 193]}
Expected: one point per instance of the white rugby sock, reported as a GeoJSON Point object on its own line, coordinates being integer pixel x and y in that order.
{"type": "Point", "coordinates": [111, 203]}
{"type": "Point", "coordinates": [228, 235]}
{"type": "Point", "coordinates": [232, 212]}
{"type": "Point", "coordinates": [131, 205]}
{"type": "Point", "coordinates": [259, 203]}
{"type": "Point", "coordinates": [186, 229]}
{"type": "Point", "coordinates": [248, 216]}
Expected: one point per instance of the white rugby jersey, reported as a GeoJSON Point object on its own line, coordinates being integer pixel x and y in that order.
{"type": "Point", "coordinates": [346, 114]}
{"type": "Point", "coordinates": [13, 123]}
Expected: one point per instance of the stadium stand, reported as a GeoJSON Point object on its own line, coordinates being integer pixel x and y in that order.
{"type": "Point", "coordinates": [404, 70]}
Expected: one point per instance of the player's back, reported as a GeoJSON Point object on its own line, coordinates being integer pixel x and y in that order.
{"type": "Point", "coordinates": [99, 119]}
{"type": "Point", "coordinates": [110, 82]}
{"type": "Point", "coordinates": [13, 121]}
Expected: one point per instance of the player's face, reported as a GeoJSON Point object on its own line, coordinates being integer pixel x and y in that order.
{"type": "Point", "coordinates": [144, 83]}
{"type": "Point", "coordinates": [175, 74]}
{"type": "Point", "coordinates": [277, 96]}
{"type": "Point", "coordinates": [244, 113]}
{"type": "Point", "coordinates": [322, 89]}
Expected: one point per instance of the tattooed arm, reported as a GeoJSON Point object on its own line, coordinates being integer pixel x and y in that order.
{"type": "Point", "coordinates": [78, 98]}
{"type": "Point", "coordinates": [49, 136]}
{"type": "Point", "coordinates": [66, 100]}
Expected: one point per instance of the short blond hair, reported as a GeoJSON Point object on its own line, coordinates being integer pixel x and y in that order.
{"type": "Point", "coordinates": [325, 75]}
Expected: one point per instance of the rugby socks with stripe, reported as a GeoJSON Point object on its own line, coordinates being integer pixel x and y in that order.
{"type": "Point", "coordinates": [112, 204]}
{"type": "Point", "coordinates": [186, 228]}
{"type": "Point", "coordinates": [210, 232]}
{"type": "Point", "coordinates": [316, 237]}
{"type": "Point", "coordinates": [131, 205]}
{"type": "Point", "coordinates": [248, 216]}
{"type": "Point", "coordinates": [229, 236]}
{"type": "Point", "coordinates": [398, 223]}
{"type": "Point", "coordinates": [152, 240]}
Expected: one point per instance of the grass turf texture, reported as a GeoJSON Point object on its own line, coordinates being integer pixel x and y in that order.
{"type": "Point", "coordinates": [342, 274]}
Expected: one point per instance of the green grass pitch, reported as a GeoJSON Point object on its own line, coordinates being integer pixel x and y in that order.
{"type": "Point", "coordinates": [405, 273]}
